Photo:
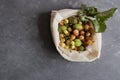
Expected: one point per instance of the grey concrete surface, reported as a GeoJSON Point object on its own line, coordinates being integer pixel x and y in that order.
{"type": "Point", "coordinates": [27, 51]}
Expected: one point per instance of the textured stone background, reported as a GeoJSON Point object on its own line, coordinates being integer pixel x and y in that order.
{"type": "Point", "coordinates": [27, 51]}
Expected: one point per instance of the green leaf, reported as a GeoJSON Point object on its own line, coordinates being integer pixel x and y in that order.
{"type": "Point", "coordinates": [82, 18]}
{"type": "Point", "coordinates": [83, 7]}
{"type": "Point", "coordinates": [99, 23]}
{"type": "Point", "coordinates": [103, 16]}
{"type": "Point", "coordinates": [91, 11]}
{"type": "Point", "coordinates": [99, 26]}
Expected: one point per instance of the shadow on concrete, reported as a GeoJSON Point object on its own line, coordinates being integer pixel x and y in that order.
{"type": "Point", "coordinates": [45, 34]}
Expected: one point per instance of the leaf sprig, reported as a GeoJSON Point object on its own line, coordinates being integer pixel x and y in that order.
{"type": "Point", "coordinates": [100, 17]}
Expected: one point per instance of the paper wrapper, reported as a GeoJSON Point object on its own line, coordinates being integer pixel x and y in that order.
{"type": "Point", "coordinates": [90, 54]}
